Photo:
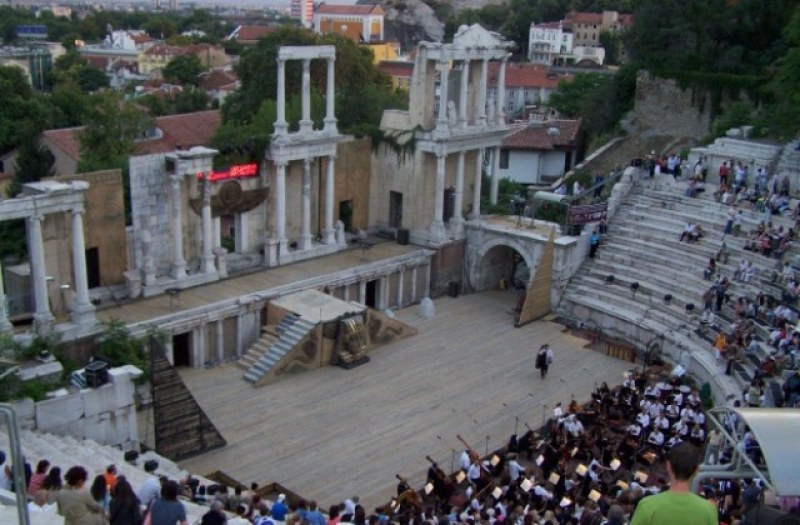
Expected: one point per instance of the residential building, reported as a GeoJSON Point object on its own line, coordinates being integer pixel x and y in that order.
{"type": "Point", "coordinates": [383, 50]}
{"type": "Point", "coordinates": [361, 23]}
{"type": "Point", "coordinates": [400, 72]}
{"type": "Point", "coordinates": [35, 62]}
{"type": "Point", "coordinates": [126, 45]}
{"type": "Point", "coordinates": [168, 134]}
{"type": "Point", "coordinates": [249, 35]}
{"type": "Point", "coordinates": [575, 39]}
{"type": "Point", "coordinates": [303, 10]}
{"type": "Point", "coordinates": [156, 57]}
{"type": "Point", "coordinates": [541, 152]}
{"type": "Point", "coordinates": [218, 84]}
{"type": "Point", "coordinates": [526, 86]}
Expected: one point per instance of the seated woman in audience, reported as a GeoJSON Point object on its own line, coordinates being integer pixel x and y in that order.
{"type": "Point", "coordinates": [710, 270]}
{"type": "Point", "coordinates": [77, 505]}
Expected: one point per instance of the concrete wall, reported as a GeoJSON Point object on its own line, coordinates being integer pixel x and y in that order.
{"type": "Point", "coordinates": [150, 198]}
{"type": "Point", "coordinates": [528, 167]}
{"type": "Point", "coordinates": [663, 108]}
{"type": "Point", "coordinates": [106, 414]}
{"type": "Point", "coordinates": [447, 265]}
{"type": "Point", "coordinates": [415, 177]}
{"type": "Point", "coordinates": [353, 180]}
{"type": "Point", "coordinates": [104, 222]}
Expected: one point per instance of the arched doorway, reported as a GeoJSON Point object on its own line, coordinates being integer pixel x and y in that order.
{"type": "Point", "coordinates": [501, 266]}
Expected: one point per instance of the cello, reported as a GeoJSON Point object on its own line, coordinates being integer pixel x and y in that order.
{"type": "Point", "coordinates": [485, 476]}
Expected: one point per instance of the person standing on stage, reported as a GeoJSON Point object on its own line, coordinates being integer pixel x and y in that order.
{"type": "Point", "coordinates": [544, 359]}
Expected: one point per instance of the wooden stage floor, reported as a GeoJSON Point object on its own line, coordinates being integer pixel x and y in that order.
{"type": "Point", "coordinates": [330, 434]}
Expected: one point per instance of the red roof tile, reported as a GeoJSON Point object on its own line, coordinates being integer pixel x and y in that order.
{"type": "Point", "coordinates": [580, 17]}
{"type": "Point", "coordinates": [185, 131]}
{"type": "Point", "coordinates": [355, 10]}
{"type": "Point", "coordinates": [538, 136]}
{"type": "Point", "coordinates": [253, 32]}
{"type": "Point", "coordinates": [99, 62]}
{"type": "Point", "coordinates": [525, 76]}
{"type": "Point", "coordinates": [217, 79]}
{"type": "Point", "coordinates": [397, 68]}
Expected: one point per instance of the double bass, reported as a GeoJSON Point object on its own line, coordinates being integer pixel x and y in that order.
{"type": "Point", "coordinates": [443, 486]}
{"type": "Point", "coordinates": [408, 500]}
{"type": "Point", "coordinates": [485, 476]}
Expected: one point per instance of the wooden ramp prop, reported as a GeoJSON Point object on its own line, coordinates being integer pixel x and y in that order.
{"type": "Point", "coordinates": [182, 428]}
{"type": "Point", "coordinates": [537, 296]}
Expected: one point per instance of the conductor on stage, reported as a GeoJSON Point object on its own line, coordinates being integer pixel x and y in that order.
{"type": "Point", "coordinates": [544, 357]}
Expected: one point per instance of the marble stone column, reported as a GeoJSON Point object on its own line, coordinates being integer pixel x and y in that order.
{"type": "Point", "coordinates": [500, 114]}
{"type": "Point", "coordinates": [239, 335]}
{"type": "Point", "coordinates": [82, 307]}
{"type": "Point", "coordinates": [207, 260]}
{"type": "Point", "coordinates": [427, 283]}
{"type": "Point", "coordinates": [437, 228]}
{"type": "Point", "coordinates": [5, 324]}
{"type": "Point", "coordinates": [444, 67]}
{"type": "Point", "coordinates": [457, 222]}
{"type": "Point", "coordinates": [305, 233]}
{"type": "Point", "coordinates": [482, 92]}
{"type": "Point", "coordinates": [42, 316]}
{"type": "Point", "coordinates": [217, 231]}
{"type": "Point", "coordinates": [219, 340]}
{"type": "Point", "coordinates": [400, 278]}
{"type": "Point", "coordinates": [281, 127]}
{"type": "Point", "coordinates": [362, 292]}
{"type": "Point", "coordinates": [413, 284]}
{"type": "Point", "coordinates": [329, 234]}
{"type": "Point", "coordinates": [476, 188]}
{"type": "Point", "coordinates": [462, 96]}
{"type": "Point", "coordinates": [495, 175]}
{"type": "Point", "coordinates": [178, 262]}
{"type": "Point", "coordinates": [306, 124]}
{"type": "Point", "coordinates": [330, 97]}
{"type": "Point", "coordinates": [243, 232]}
{"type": "Point", "coordinates": [280, 208]}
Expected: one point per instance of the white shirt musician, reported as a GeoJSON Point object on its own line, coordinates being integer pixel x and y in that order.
{"type": "Point", "coordinates": [656, 437]}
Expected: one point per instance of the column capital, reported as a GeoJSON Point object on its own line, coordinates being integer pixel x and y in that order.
{"type": "Point", "coordinates": [307, 162]}
{"type": "Point", "coordinates": [78, 210]}
{"type": "Point", "coordinates": [281, 164]}
{"type": "Point", "coordinates": [175, 178]}
{"type": "Point", "coordinates": [38, 217]}
{"type": "Point", "coordinates": [333, 157]}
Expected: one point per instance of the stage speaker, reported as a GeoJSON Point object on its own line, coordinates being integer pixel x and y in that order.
{"type": "Point", "coordinates": [610, 279]}
{"type": "Point", "coordinates": [764, 515]}
{"type": "Point", "coordinates": [668, 298]}
{"type": "Point", "coordinates": [453, 288]}
{"type": "Point", "coordinates": [402, 236]}
{"type": "Point", "coordinates": [96, 374]}
{"type": "Point", "coordinates": [131, 456]}
{"type": "Point", "coordinates": [689, 308]}
{"type": "Point", "coordinates": [634, 286]}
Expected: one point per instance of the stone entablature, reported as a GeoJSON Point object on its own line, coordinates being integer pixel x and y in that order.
{"type": "Point", "coordinates": [39, 199]}
{"type": "Point", "coordinates": [445, 122]}
{"type": "Point", "coordinates": [305, 145]}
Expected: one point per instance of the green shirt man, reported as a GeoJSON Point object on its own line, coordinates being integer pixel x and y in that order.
{"type": "Point", "coordinates": [678, 504]}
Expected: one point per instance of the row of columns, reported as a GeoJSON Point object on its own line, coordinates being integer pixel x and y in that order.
{"type": "Point", "coordinates": [328, 232]}
{"type": "Point", "coordinates": [499, 114]}
{"type": "Point", "coordinates": [306, 124]}
{"type": "Point", "coordinates": [457, 222]}
{"type": "Point", "coordinates": [82, 309]}
{"type": "Point", "coordinates": [207, 225]}
{"type": "Point", "coordinates": [201, 349]}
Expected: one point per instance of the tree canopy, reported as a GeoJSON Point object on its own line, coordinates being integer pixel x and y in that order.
{"type": "Point", "coordinates": [362, 91]}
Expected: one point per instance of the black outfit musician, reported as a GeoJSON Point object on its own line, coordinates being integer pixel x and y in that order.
{"type": "Point", "coordinates": [544, 358]}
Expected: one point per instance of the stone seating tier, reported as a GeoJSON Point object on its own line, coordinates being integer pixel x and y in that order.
{"type": "Point", "coordinates": [625, 324]}
{"type": "Point", "coordinates": [761, 153]}
{"type": "Point", "coordinates": [642, 246]}
{"type": "Point", "coordinates": [66, 451]}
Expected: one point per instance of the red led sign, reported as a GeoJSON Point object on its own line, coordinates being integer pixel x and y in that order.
{"type": "Point", "coordinates": [234, 172]}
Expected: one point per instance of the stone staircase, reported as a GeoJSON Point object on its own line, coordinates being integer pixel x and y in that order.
{"type": "Point", "coordinates": [67, 451]}
{"type": "Point", "coordinates": [642, 247]}
{"type": "Point", "coordinates": [268, 351]}
{"type": "Point", "coordinates": [789, 163]}
{"type": "Point", "coordinates": [182, 428]}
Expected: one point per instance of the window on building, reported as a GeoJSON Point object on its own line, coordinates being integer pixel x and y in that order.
{"type": "Point", "coordinates": [503, 159]}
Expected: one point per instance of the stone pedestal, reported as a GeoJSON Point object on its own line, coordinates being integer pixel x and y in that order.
{"type": "Point", "coordinates": [221, 261]}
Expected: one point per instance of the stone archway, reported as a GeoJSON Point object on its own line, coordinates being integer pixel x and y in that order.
{"type": "Point", "coordinates": [502, 260]}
